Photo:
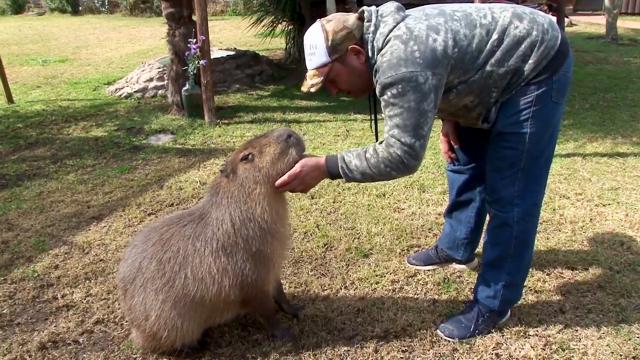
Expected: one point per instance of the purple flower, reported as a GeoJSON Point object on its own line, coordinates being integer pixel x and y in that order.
{"type": "Point", "coordinates": [202, 37]}
{"type": "Point", "coordinates": [203, 62]}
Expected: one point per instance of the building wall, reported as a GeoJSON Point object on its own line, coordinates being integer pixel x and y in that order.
{"type": "Point", "coordinates": [629, 7]}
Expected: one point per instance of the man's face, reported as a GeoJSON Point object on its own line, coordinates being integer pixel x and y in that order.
{"type": "Point", "coordinates": [349, 74]}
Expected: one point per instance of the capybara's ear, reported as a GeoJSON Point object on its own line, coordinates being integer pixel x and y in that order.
{"type": "Point", "coordinates": [225, 169]}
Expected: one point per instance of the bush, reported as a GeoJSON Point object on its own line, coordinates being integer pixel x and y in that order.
{"type": "Point", "coordinates": [14, 7]}
{"type": "Point", "coordinates": [64, 6]}
{"type": "Point", "coordinates": [57, 6]}
{"type": "Point", "coordinates": [141, 7]}
{"type": "Point", "coordinates": [237, 8]}
{"type": "Point", "coordinates": [217, 7]}
{"type": "Point", "coordinates": [99, 6]}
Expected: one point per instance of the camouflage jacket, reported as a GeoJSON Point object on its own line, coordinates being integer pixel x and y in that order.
{"type": "Point", "coordinates": [459, 61]}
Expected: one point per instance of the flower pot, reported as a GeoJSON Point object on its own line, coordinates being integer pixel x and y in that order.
{"type": "Point", "coordinates": [192, 99]}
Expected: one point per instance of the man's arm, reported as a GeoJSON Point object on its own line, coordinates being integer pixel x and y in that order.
{"type": "Point", "coordinates": [409, 102]}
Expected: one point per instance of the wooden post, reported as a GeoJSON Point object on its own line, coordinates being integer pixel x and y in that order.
{"type": "Point", "coordinates": [5, 84]}
{"type": "Point", "coordinates": [206, 71]}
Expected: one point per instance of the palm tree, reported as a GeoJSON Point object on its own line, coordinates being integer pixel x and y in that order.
{"type": "Point", "coordinates": [181, 27]}
{"type": "Point", "coordinates": [278, 17]}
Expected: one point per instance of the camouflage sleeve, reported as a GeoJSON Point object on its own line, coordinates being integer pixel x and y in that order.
{"type": "Point", "coordinates": [409, 102]}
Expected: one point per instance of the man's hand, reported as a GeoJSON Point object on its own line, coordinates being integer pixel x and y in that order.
{"type": "Point", "coordinates": [304, 176]}
{"type": "Point", "coordinates": [449, 140]}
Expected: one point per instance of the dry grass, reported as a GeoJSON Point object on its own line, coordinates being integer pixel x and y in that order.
{"type": "Point", "coordinates": [77, 180]}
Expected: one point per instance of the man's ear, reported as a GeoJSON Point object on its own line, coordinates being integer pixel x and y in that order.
{"type": "Point", "coordinates": [358, 52]}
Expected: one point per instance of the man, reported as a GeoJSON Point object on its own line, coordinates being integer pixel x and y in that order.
{"type": "Point", "coordinates": [497, 75]}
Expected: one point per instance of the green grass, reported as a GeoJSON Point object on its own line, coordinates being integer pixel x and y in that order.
{"type": "Point", "coordinates": [77, 180]}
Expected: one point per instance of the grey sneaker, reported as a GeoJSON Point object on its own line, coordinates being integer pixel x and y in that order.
{"type": "Point", "coordinates": [435, 257]}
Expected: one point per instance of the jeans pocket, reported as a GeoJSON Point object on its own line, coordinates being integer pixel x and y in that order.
{"type": "Point", "coordinates": [461, 159]}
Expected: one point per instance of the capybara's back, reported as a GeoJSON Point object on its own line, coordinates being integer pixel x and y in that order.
{"type": "Point", "coordinates": [222, 257]}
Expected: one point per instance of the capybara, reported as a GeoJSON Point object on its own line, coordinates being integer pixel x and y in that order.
{"type": "Point", "coordinates": [222, 257]}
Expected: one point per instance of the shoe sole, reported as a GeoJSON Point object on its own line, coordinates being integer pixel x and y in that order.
{"type": "Point", "coordinates": [505, 318]}
{"type": "Point", "coordinates": [472, 265]}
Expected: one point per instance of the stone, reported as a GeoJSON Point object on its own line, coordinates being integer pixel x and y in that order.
{"type": "Point", "coordinates": [158, 85]}
{"type": "Point", "coordinates": [151, 93]}
{"type": "Point", "coordinates": [161, 138]}
{"type": "Point", "coordinates": [139, 88]}
{"type": "Point", "coordinates": [231, 69]}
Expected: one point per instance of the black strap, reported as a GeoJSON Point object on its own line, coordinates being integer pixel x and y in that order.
{"type": "Point", "coordinates": [373, 114]}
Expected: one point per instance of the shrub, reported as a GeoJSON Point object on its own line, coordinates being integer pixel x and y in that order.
{"type": "Point", "coordinates": [64, 6]}
{"type": "Point", "coordinates": [15, 7]}
{"type": "Point", "coordinates": [141, 7]}
{"type": "Point", "coordinates": [99, 6]}
{"type": "Point", "coordinates": [3, 8]}
{"type": "Point", "coordinates": [237, 8]}
{"type": "Point", "coordinates": [218, 7]}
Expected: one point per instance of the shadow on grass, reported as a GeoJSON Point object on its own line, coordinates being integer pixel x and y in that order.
{"type": "Point", "coordinates": [328, 322]}
{"type": "Point", "coordinates": [65, 167]}
{"type": "Point", "coordinates": [608, 155]}
{"type": "Point", "coordinates": [67, 163]}
{"type": "Point", "coordinates": [289, 100]}
{"type": "Point", "coordinates": [608, 300]}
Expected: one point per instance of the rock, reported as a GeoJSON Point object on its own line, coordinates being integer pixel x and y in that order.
{"type": "Point", "coordinates": [139, 89]}
{"type": "Point", "coordinates": [162, 138]}
{"type": "Point", "coordinates": [157, 85]}
{"type": "Point", "coordinates": [232, 68]}
{"type": "Point", "coordinates": [151, 93]}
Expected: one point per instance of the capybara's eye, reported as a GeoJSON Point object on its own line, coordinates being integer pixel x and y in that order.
{"type": "Point", "coordinates": [247, 157]}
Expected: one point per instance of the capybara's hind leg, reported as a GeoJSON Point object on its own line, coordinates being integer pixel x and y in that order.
{"type": "Point", "coordinates": [145, 342]}
{"type": "Point", "coordinates": [266, 309]}
{"type": "Point", "coordinates": [172, 340]}
{"type": "Point", "coordinates": [283, 303]}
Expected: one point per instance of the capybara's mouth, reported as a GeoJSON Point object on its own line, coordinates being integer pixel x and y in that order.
{"type": "Point", "coordinates": [300, 150]}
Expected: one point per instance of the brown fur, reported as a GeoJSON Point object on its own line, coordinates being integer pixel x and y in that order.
{"type": "Point", "coordinates": [205, 265]}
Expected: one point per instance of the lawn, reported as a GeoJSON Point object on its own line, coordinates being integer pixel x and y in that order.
{"type": "Point", "coordinates": [77, 180]}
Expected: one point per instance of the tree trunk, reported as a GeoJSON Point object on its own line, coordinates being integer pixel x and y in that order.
{"type": "Point", "coordinates": [178, 14]}
{"type": "Point", "coordinates": [612, 10]}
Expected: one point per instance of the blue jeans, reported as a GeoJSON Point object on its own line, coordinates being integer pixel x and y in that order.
{"type": "Point", "coordinates": [502, 172]}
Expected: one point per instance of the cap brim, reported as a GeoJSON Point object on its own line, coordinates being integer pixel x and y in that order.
{"type": "Point", "coordinates": [313, 80]}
